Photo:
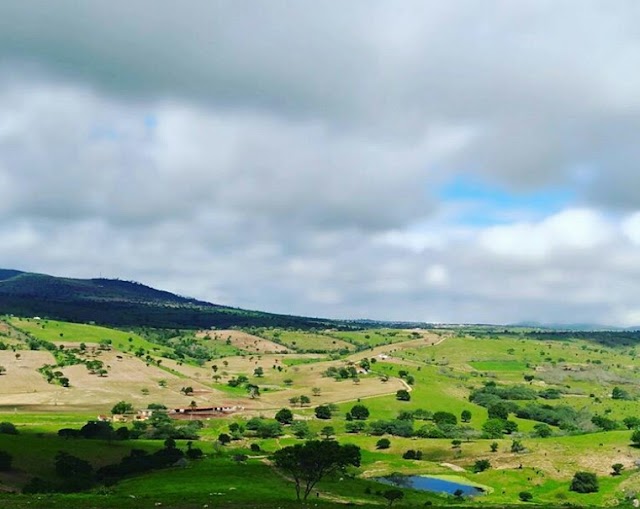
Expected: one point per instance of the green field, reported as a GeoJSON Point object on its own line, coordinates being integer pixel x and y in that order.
{"type": "Point", "coordinates": [54, 331]}
{"type": "Point", "coordinates": [578, 375]}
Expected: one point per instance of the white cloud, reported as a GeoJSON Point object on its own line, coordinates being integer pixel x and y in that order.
{"type": "Point", "coordinates": [297, 169]}
{"type": "Point", "coordinates": [576, 229]}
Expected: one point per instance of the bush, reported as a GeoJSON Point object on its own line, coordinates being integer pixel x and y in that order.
{"type": "Point", "coordinates": [5, 461]}
{"type": "Point", "coordinates": [8, 428]}
{"type": "Point", "coordinates": [323, 412]}
{"type": "Point", "coordinates": [359, 412]}
{"type": "Point", "coordinates": [542, 430]}
{"type": "Point", "coordinates": [525, 496]}
{"type": "Point", "coordinates": [412, 455]}
{"type": "Point", "coordinates": [443, 418]}
{"type": "Point", "coordinates": [122, 407]}
{"type": "Point", "coordinates": [255, 448]}
{"type": "Point", "coordinates": [284, 416]}
{"type": "Point", "coordinates": [383, 443]}
{"type": "Point", "coordinates": [403, 395]}
{"type": "Point", "coordinates": [584, 482]}
{"type": "Point", "coordinates": [481, 466]}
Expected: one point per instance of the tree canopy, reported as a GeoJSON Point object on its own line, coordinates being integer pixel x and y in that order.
{"type": "Point", "coordinates": [308, 463]}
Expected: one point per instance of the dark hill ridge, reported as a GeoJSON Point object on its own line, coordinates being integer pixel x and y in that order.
{"type": "Point", "coordinates": [126, 303]}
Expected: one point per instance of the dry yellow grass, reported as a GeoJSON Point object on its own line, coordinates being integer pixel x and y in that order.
{"type": "Point", "coordinates": [244, 341]}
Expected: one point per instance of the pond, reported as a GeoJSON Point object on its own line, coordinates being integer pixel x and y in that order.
{"type": "Point", "coordinates": [426, 483]}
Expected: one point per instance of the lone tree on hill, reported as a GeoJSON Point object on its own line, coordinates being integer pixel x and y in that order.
{"type": "Point", "coordinates": [122, 407]}
{"type": "Point", "coordinates": [308, 463]}
{"type": "Point", "coordinates": [392, 496]}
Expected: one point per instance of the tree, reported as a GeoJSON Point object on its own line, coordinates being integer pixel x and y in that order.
{"type": "Point", "coordinates": [323, 412]}
{"type": "Point", "coordinates": [499, 410]}
{"type": "Point", "coordinates": [359, 412]}
{"type": "Point", "coordinates": [304, 400]}
{"type": "Point", "coordinates": [493, 428]}
{"type": "Point", "coordinates": [224, 439]}
{"type": "Point", "coordinates": [542, 430]}
{"type": "Point", "coordinates": [465, 416]}
{"type": "Point", "coordinates": [294, 400]}
{"type": "Point", "coordinates": [444, 418]}
{"type": "Point", "coordinates": [617, 468]}
{"type": "Point", "coordinates": [5, 461]}
{"type": "Point", "coordinates": [618, 393]}
{"type": "Point", "coordinates": [392, 495]}
{"type": "Point", "coordinates": [494, 446]}
{"type": "Point", "coordinates": [253, 390]}
{"type": "Point", "coordinates": [517, 446]}
{"type": "Point", "coordinates": [631, 422]}
{"type": "Point", "coordinates": [383, 443]}
{"type": "Point", "coordinates": [308, 463]}
{"type": "Point", "coordinates": [584, 482]}
{"type": "Point", "coordinates": [8, 428]}
{"type": "Point", "coordinates": [525, 496]}
{"type": "Point", "coordinates": [316, 391]}
{"type": "Point", "coordinates": [301, 430]}
{"type": "Point", "coordinates": [403, 395]}
{"type": "Point", "coordinates": [259, 372]}
{"type": "Point", "coordinates": [327, 432]}
{"type": "Point", "coordinates": [77, 473]}
{"type": "Point", "coordinates": [635, 438]}
{"type": "Point", "coordinates": [481, 466]}
{"type": "Point", "coordinates": [122, 407]}
{"type": "Point", "coordinates": [284, 416]}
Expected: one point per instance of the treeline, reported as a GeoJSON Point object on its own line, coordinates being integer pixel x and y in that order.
{"type": "Point", "coordinates": [606, 338]}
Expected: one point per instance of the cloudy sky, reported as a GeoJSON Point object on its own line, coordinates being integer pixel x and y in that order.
{"type": "Point", "coordinates": [448, 161]}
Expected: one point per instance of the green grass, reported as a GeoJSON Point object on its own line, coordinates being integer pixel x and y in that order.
{"type": "Point", "coordinates": [54, 331]}
{"type": "Point", "coordinates": [506, 365]}
{"type": "Point", "coordinates": [303, 341]}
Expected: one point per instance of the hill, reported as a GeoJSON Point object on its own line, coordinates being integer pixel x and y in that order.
{"type": "Point", "coordinates": [127, 303]}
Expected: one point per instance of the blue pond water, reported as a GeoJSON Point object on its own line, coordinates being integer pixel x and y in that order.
{"type": "Point", "coordinates": [425, 483]}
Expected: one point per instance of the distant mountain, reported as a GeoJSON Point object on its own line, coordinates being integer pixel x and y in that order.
{"type": "Point", "coordinates": [127, 303]}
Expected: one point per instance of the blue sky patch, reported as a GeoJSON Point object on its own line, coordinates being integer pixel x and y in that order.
{"type": "Point", "coordinates": [475, 202]}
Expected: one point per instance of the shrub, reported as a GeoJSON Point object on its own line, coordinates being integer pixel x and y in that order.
{"type": "Point", "coordinates": [323, 412]}
{"type": "Point", "coordinates": [5, 461]}
{"type": "Point", "coordinates": [8, 428]}
{"type": "Point", "coordinates": [584, 482]}
{"type": "Point", "coordinates": [617, 468]}
{"type": "Point", "coordinates": [383, 443]}
{"type": "Point", "coordinates": [542, 430]}
{"type": "Point", "coordinates": [517, 446]}
{"type": "Point", "coordinates": [444, 418]}
{"type": "Point", "coordinates": [284, 416]}
{"type": "Point", "coordinates": [359, 412]}
{"type": "Point", "coordinates": [122, 407]}
{"type": "Point", "coordinates": [525, 496]}
{"type": "Point", "coordinates": [481, 466]}
{"type": "Point", "coordinates": [403, 395]}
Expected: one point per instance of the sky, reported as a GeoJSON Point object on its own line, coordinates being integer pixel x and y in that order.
{"type": "Point", "coordinates": [459, 161]}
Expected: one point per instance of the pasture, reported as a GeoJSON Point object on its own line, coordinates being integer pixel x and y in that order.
{"type": "Point", "coordinates": [439, 369]}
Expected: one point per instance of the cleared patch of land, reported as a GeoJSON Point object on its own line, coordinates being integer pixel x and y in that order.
{"type": "Point", "coordinates": [243, 341]}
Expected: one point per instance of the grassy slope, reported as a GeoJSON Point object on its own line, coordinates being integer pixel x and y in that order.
{"type": "Point", "coordinates": [444, 376]}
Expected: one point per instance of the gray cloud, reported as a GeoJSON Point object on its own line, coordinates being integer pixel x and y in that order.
{"type": "Point", "coordinates": [287, 156]}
